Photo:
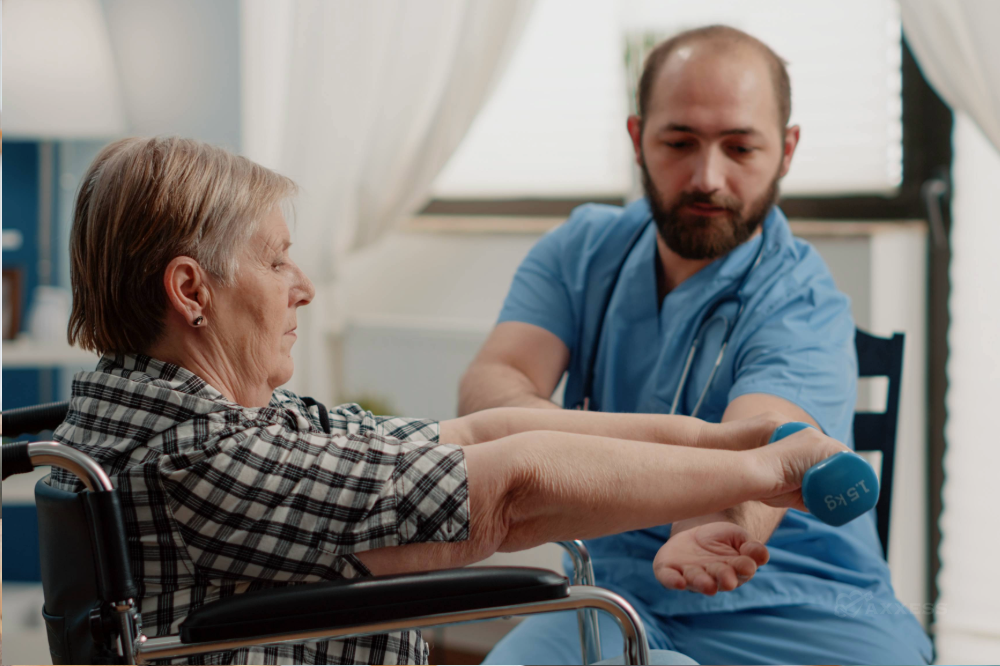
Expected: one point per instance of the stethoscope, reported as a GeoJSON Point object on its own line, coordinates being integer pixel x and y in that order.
{"type": "Point", "coordinates": [707, 319]}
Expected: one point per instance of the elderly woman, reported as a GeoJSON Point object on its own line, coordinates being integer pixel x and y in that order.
{"type": "Point", "coordinates": [182, 279]}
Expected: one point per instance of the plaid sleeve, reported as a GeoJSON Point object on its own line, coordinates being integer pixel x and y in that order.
{"type": "Point", "coordinates": [352, 418]}
{"type": "Point", "coordinates": [274, 503]}
{"type": "Point", "coordinates": [407, 429]}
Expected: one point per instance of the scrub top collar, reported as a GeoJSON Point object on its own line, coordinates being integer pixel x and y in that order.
{"type": "Point", "coordinates": [775, 232]}
{"type": "Point", "coordinates": [729, 269]}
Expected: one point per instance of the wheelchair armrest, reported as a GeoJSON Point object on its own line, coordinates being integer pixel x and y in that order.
{"type": "Point", "coordinates": [35, 419]}
{"type": "Point", "coordinates": [345, 603]}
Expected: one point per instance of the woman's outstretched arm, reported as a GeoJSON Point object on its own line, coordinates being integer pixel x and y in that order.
{"type": "Point", "coordinates": [500, 422]}
{"type": "Point", "coordinates": [532, 488]}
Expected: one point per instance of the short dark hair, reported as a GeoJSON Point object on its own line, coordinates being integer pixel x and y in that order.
{"type": "Point", "coordinates": [726, 34]}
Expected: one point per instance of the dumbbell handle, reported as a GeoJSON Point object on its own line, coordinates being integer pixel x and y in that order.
{"type": "Point", "coordinates": [838, 489]}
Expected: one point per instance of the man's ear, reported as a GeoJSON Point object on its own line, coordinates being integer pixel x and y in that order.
{"type": "Point", "coordinates": [635, 131]}
{"type": "Point", "coordinates": [187, 288]}
{"type": "Point", "coordinates": [791, 141]}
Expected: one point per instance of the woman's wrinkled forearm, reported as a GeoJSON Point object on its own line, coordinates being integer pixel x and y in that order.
{"type": "Point", "coordinates": [492, 424]}
{"type": "Point", "coordinates": [586, 487]}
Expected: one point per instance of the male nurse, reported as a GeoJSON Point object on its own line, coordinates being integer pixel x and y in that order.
{"type": "Point", "coordinates": [619, 297]}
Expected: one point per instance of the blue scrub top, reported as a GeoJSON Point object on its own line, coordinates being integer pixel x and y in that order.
{"type": "Point", "coordinates": [794, 340]}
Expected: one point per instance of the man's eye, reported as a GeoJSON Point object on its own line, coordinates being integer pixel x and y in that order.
{"type": "Point", "coordinates": [741, 150]}
{"type": "Point", "coordinates": [678, 144]}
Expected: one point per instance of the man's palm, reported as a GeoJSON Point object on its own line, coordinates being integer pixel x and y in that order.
{"type": "Point", "coordinates": [709, 558]}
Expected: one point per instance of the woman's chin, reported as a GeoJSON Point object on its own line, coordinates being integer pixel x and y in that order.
{"type": "Point", "coordinates": [283, 374]}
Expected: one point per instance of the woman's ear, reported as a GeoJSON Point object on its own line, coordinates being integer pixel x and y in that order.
{"type": "Point", "coordinates": [187, 288]}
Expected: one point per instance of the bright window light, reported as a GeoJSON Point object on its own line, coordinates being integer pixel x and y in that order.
{"type": "Point", "coordinates": [555, 124]}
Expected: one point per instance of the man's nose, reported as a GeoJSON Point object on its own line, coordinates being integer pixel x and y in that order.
{"type": "Point", "coordinates": [707, 175]}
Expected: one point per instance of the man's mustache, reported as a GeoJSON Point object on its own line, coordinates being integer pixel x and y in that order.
{"type": "Point", "coordinates": [708, 199]}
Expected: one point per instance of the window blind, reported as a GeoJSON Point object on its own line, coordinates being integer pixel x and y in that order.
{"type": "Point", "coordinates": [555, 125]}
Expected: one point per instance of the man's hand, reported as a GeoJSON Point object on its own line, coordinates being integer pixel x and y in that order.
{"type": "Point", "coordinates": [750, 419]}
{"type": "Point", "coordinates": [709, 558]}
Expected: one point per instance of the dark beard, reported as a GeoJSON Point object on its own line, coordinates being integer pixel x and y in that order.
{"type": "Point", "coordinates": [694, 236]}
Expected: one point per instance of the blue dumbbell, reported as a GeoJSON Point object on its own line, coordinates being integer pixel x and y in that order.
{"type": "Point", "coordinates": [840, 488]}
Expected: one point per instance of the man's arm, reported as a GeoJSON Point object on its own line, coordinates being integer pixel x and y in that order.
{"type": "Point", "coordinates": [519, 366]}
{"type": "Point", "coordinates": [693, 558]}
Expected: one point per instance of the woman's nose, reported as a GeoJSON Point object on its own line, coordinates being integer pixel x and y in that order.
{"type": "Point", "coordinates": [304, 290]}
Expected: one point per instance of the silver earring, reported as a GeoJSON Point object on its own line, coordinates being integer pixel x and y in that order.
{"type": "Point", "coordinates": [199, 320]}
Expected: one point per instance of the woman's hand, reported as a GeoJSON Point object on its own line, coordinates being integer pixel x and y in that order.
{"type": "Point", "coordinates": [709, 558]}
{"type": "Point", "coordinates": [787, 461]}
{"type": "Point", "coordinates": [743, 434]}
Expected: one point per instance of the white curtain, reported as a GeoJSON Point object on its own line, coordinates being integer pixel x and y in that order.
{"type": "Point", "coordinates": [362, 103]}
{"type": "Point", "coordinates": [955, 44]}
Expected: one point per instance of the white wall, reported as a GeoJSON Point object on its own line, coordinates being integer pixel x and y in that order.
{"type": "Point", "coordinates": [179, 63]}
{"type": "Point", "coordinates": [420, 307]}
{"type": "Point", "coordinates": [968, 619]}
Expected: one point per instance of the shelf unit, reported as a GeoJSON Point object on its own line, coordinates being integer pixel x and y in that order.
{"type": "Point", "coordinates": [23, 352]}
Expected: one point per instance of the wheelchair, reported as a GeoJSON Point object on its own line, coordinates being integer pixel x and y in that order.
{"type": "Point", "coordinates": [91, 613]}
{"type": "Point", "coordinates": [90, 608]}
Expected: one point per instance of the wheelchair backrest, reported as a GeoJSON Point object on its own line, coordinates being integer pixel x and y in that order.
{"type": "Point", "coordinates": [77, 632]}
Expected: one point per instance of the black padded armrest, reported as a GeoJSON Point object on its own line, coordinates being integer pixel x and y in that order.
{"type": "Point", "coordinates": [347, 603]}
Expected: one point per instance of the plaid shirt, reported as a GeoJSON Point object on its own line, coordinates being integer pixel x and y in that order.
{"type": "Point", "coordinates": [221, 499]}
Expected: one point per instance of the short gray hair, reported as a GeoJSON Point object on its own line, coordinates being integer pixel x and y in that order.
{"type": "Point", "coordinates": [144, 202]}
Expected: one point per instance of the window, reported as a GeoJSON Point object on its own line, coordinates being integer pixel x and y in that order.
{"type": "Point", "coordinates": [555, 125]}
